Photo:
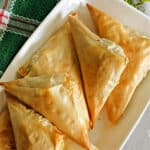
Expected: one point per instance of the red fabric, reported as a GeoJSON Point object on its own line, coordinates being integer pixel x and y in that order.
{"type": "Point", "coordinates": [4, 18]}
{"type": "Point", "coordinates": [2, 14]}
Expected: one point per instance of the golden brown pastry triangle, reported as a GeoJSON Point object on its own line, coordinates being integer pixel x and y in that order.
{"type": "Point", "coordinates": [30, 126]}
{"type": "Point", "coordinates": [102, 63]}
{"type": "Point", "coordinates": [59, 99]}
{"type": "Point", "coordinates": [31, 130]}
{"type": "Point", "coordinates": [56, 55]}
{"type": "Point", "coordinates": [137, 49]}
{"type": "Point", "coordinates": [6, 133]}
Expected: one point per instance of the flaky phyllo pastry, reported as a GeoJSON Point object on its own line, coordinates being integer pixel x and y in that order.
{"type": "Point", "coordinates": [6, 134]}
{"type": "Point", "coordinates": [57, 55]}
{"type": "Point", "coordinates": [58, 95]}
{"type": "Point", "coordinates": [137, 49]}
{"type": "Point", "coordinates": [58, 98]}
{"type": "Point", "coordinates": [32, 131]}
{"type": "Point", "coordinates": [56, 91]}
{"type": "Point", "coordinates": [102, 63]}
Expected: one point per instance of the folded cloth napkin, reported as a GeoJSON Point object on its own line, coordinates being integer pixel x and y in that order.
{"type": "Point", "coordinates": [18, 19]}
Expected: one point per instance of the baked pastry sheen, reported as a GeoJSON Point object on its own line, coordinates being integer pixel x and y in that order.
{"type": "Point", "coordinates": [137, 49]}
{"type": "Point", "coordinates": [102, 63]}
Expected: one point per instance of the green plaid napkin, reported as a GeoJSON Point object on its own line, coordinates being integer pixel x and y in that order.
{"type": "Point", "coordinates": [18, 19]}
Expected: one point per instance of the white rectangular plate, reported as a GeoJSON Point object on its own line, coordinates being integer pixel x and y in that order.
{"type": "Point", "coordinates": [104, 135]}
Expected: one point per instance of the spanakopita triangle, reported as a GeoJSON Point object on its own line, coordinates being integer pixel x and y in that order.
{"type": "Point", "coordinates": [56, 55]}
{"type": "Point", "coordinates": [137, 49]}
{"type": "Point", "coordinates": [58, 98]}
{"type": "Point", "coordinates": [31, 130]}
{"type": "Point", "coordinates": [101, 62]}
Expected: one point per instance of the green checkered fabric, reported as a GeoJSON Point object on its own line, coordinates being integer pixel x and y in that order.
{"type": "Point", "coordinates": [18, 19]}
